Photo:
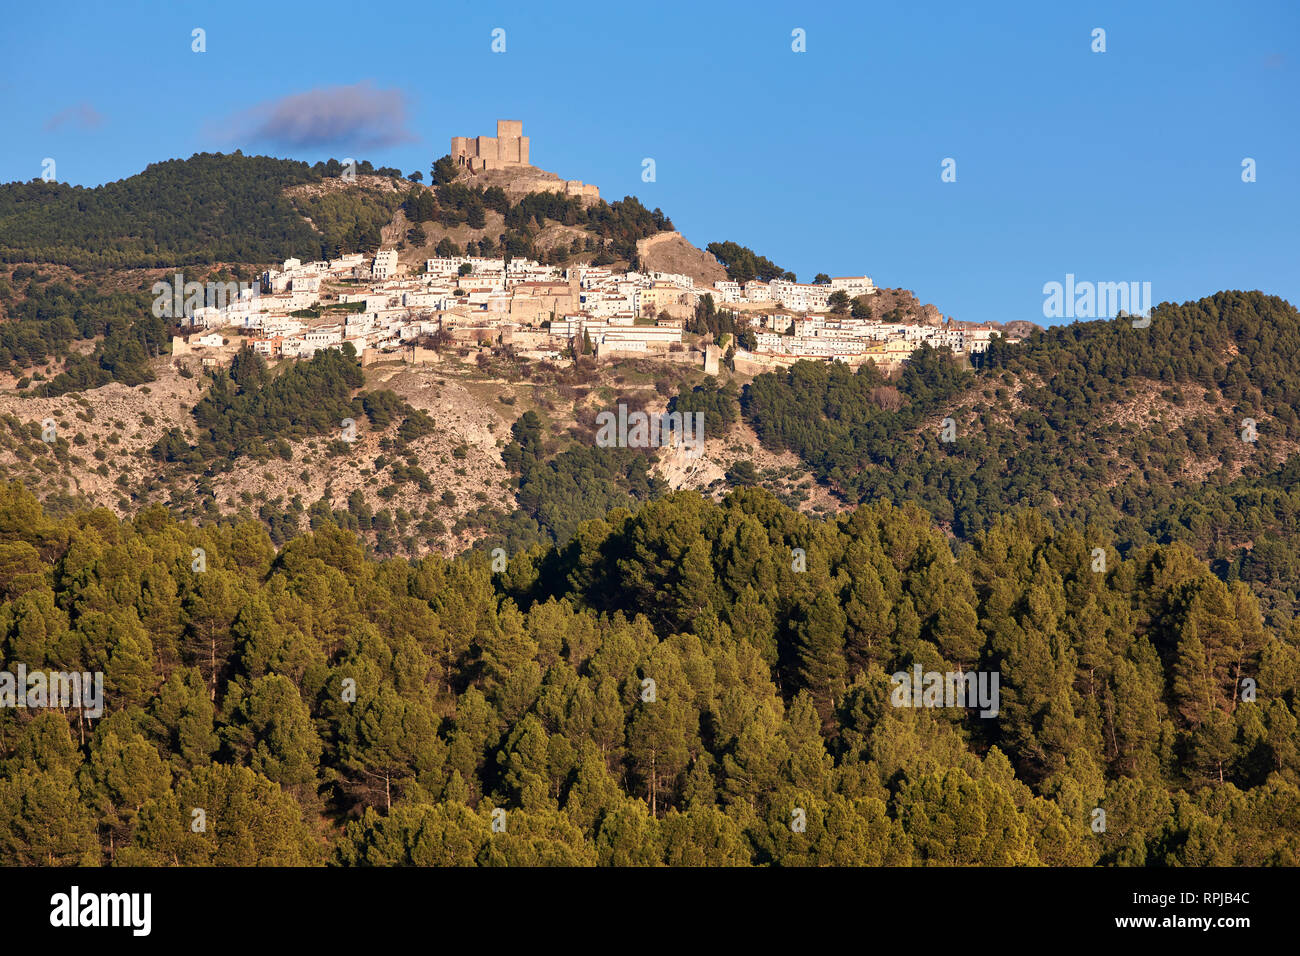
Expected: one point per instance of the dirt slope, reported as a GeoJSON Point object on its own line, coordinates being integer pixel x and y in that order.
{"type": "Point", "coordinates": [670, 252]}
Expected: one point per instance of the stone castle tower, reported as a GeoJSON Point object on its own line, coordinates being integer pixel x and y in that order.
{"type": "Point", "coordinates": [509, 148]}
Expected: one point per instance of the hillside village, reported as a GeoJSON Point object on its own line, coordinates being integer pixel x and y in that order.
{"type": "Point", "coordinates": [547, 312]}
{"type": "Point", "coordinates": [388, 309]}
{"type": "Point", "coordinates": [476, 340]}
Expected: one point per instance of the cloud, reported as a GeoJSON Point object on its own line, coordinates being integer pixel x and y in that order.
{"type": "Point", "coordinates": [353, 117]}
{"type": "Point", "coordinates": [81, 116]}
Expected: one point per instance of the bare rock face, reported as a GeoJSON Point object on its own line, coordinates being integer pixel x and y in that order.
{"type": "Point", "coordinates": [905, 306]}
{"type": "Point", "coordinates": [1019, 328]}
{"type": "Point", "coordinates": [902, 305]}
{"type": "Point", "coordinates": [670, 252]}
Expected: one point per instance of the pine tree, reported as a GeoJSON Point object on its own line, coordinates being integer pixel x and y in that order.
{"type": "Point", "coordinates": [819, 648]}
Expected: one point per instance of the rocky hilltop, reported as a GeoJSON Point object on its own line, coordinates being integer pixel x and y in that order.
{"type": "Point", "coordinates": [671, 252]}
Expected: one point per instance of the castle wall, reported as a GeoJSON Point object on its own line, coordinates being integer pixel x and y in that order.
{"type": "Point", "coordinates": [509, 148]}
{"type": "Point", "coordinates": [576, 187]}
{"type": "Point", "coordinates": [486, 150]}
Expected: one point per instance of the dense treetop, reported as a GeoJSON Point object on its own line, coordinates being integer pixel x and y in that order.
{"type": "Point", "coordinates": [44, 316]}
{"type": "Point", "coordinates": [612, 228]}
{"type": "Point", "coordinates": [743, 264]}
{"type": "Point", "coordinates": [324, 706]}
{"type": "Point", "coordinates": [1068, 422]}
{"type": "Point", "coordinates": [212, 207]}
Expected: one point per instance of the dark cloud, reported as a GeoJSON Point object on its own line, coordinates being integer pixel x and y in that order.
{"type": "Point", "coordinates": [81, 116]}
{"type": "Point", "coordinates": [354, 117]}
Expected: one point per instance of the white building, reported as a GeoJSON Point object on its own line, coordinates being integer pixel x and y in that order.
{"type": "Point", "coordinates": [853, 286]}
{"type": "Point", "coordinates": [801, 296]}
{"type": "Point", "coordinates": [728, 291]}
{"type": "Point", "coordinates": [326, 335]}
{"type": "Point", "coordinates": [385, 264]}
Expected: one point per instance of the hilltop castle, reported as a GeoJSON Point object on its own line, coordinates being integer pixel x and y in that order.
{"type": "Point", "coordinates": [509, 147]}
{"type": "Point", "coordinates": [508, 151]}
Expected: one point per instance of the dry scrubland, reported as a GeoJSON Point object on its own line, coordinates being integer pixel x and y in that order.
{"type": "Point", "coordinates": [101, 455]}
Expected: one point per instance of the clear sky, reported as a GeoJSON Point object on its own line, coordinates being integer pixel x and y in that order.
{"type": "Point", "coordinates": [1117, 166]}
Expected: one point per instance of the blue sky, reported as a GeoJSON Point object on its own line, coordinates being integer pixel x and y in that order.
{"type": "Point", "coordinates": [1115, 166]}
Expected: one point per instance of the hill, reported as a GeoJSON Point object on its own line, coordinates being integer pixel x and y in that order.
{"type": "Point", "coordinates": [1136, 435]}
{"type": "Point", "coordinates": [464, 215]}
{"type": "Point", "coordinates": [1096, 421]}
{"type": "Point", "coordinates": [208, 208]}
{"type": "Point", "coordinates": [670, 252]}
{"type": "Point", "coordinates": [1136, 431]}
